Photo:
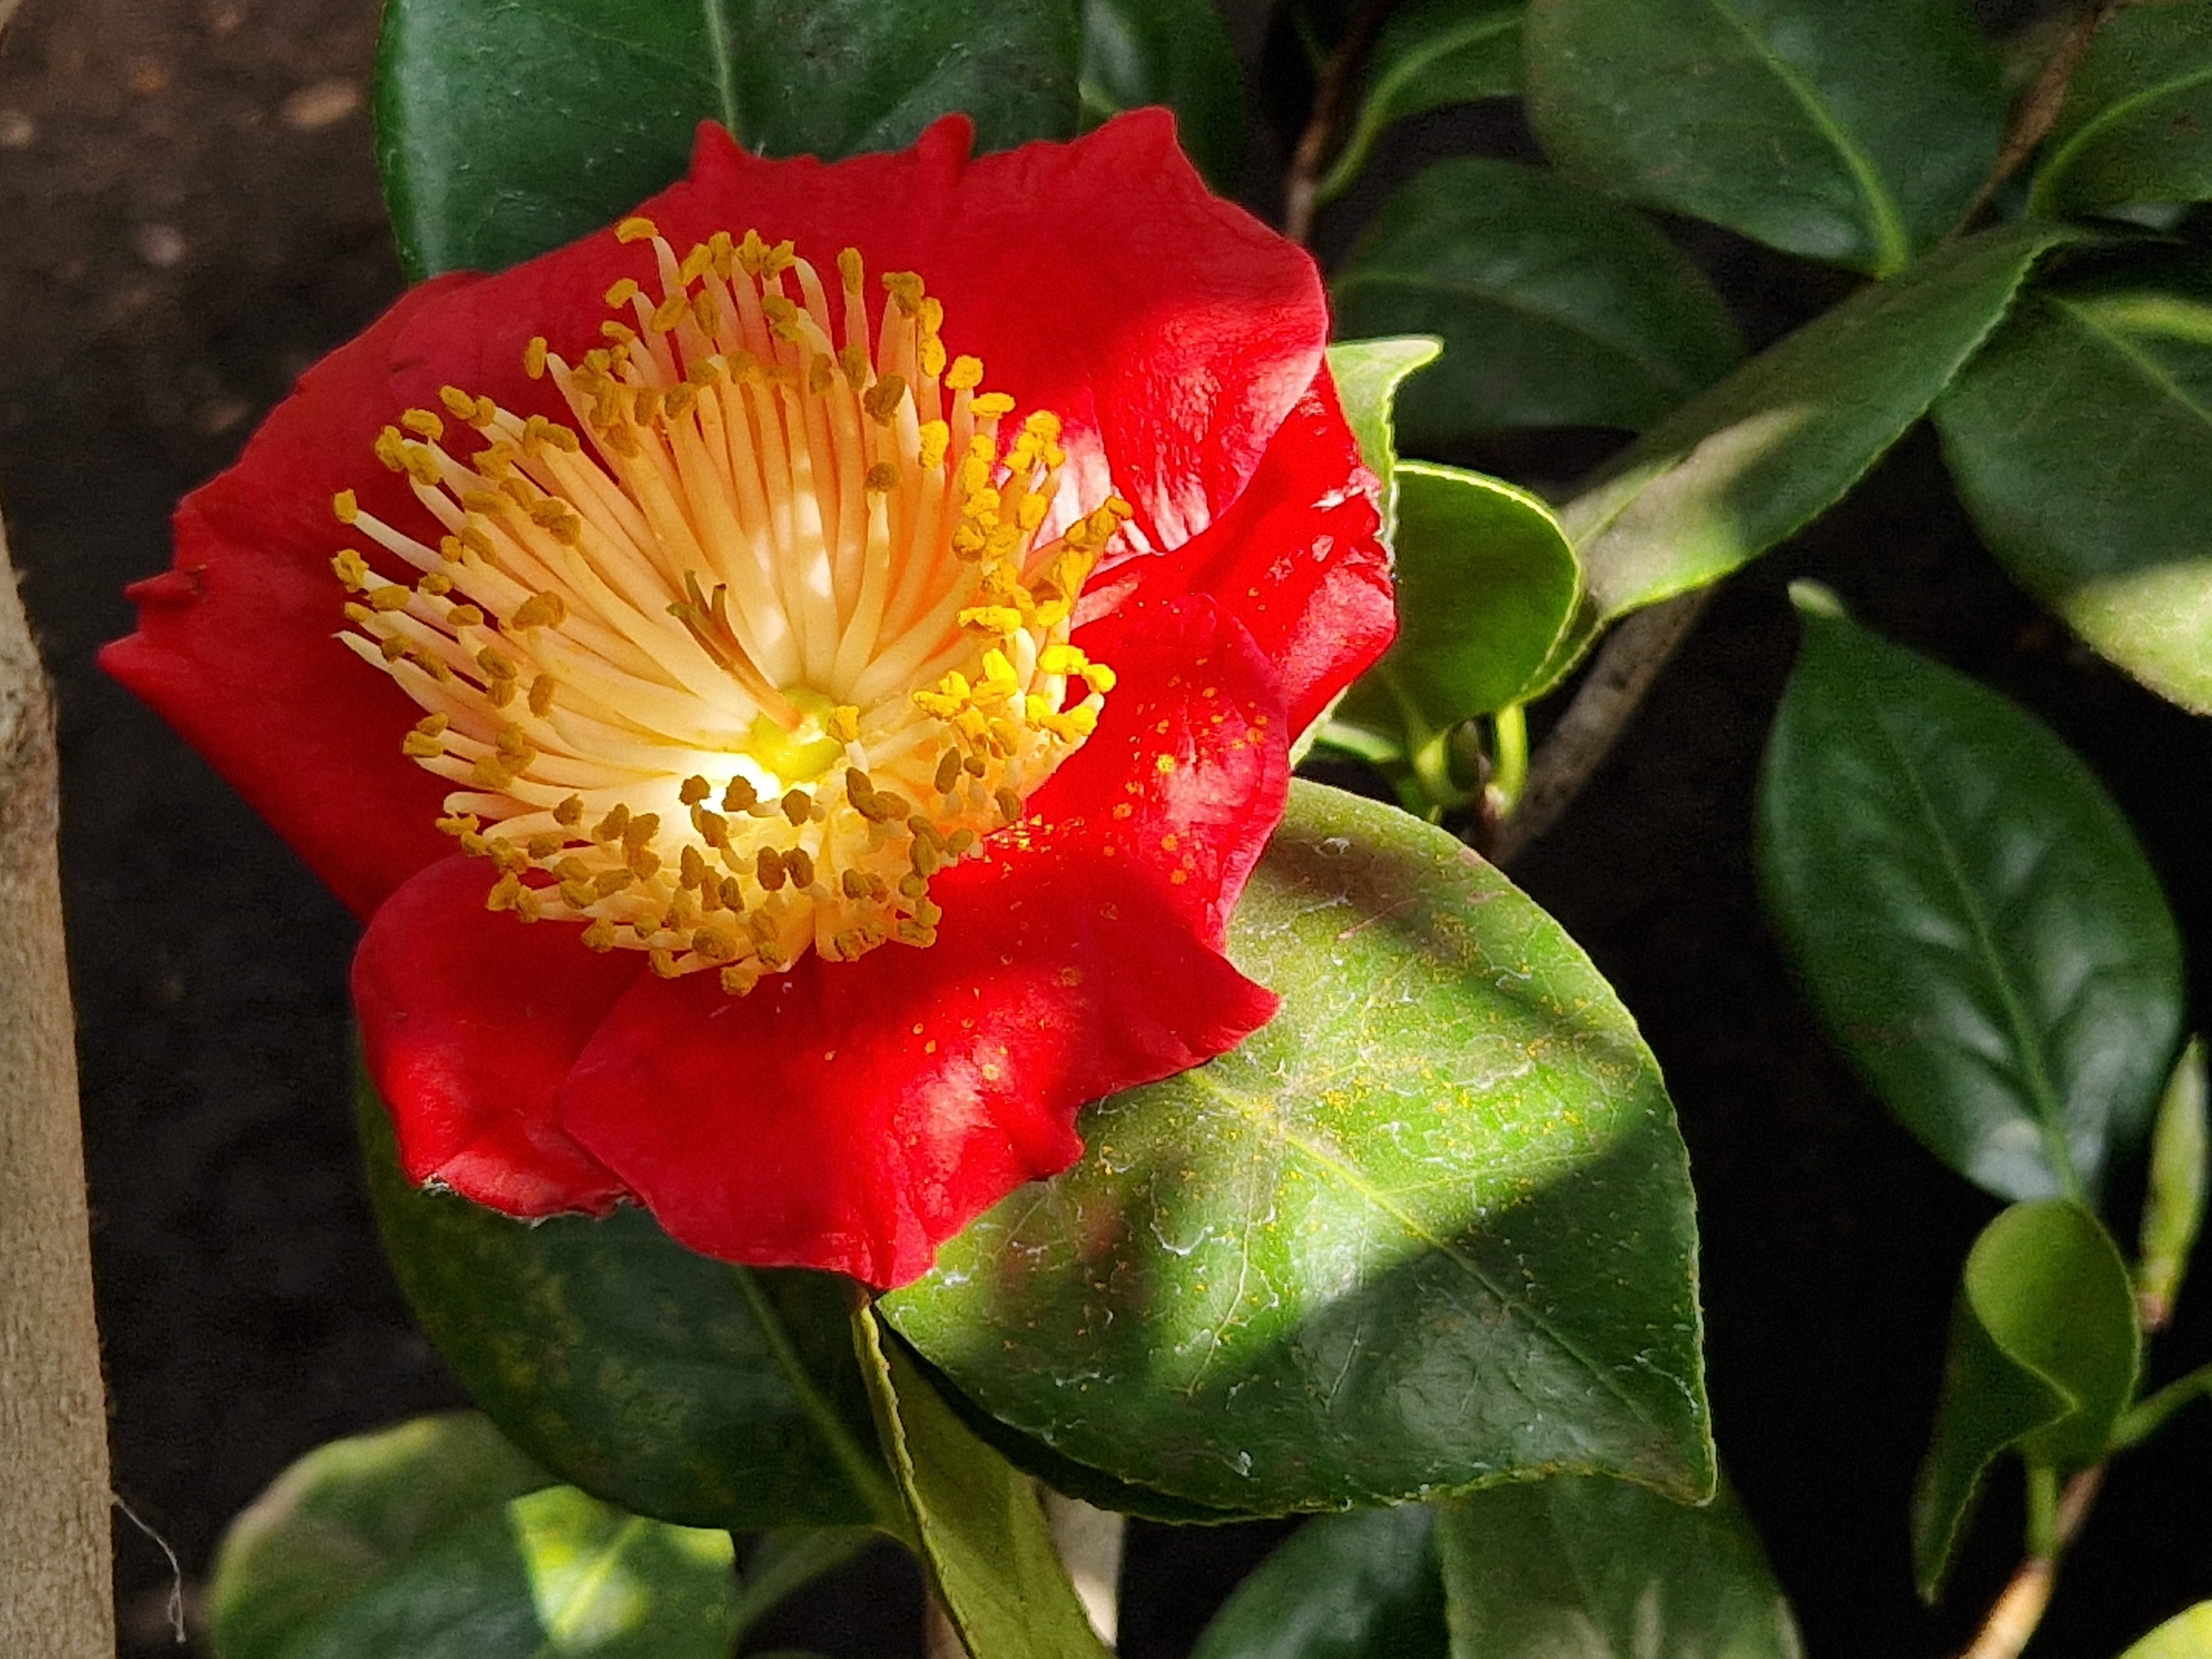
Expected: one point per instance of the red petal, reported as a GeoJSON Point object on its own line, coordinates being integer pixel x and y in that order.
{"type": "Point", "coordinates": [1188, 772]}
{"type": "Point", "coordinates": [234, 645]}
{"type": "Point", "coordinates": [469, 1022]}
{"type": "Point", "coordinates": [851, 1116]}
{"type": "Point", "coordinates": [1299, 559]}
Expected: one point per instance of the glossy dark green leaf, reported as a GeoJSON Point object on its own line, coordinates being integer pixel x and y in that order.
{"type": "Point", "coordinates": [1427, 55]}
{"type": "Point", "coordinates": [1368, 373]}
{"type": "Point", "coordinates": [1487, 586]}
{"type": "Point", "coordinates": [505, 129]}
{"type": "Point", "coordinates": [1973, 920]}
{"type": "Point", "coordinates": [2043, 1359]}
{"type": "Point", "coordinates": [1755, 458]}
{"type": "Point", "coordinates": [1569, 1566]}
{"type": "Point", "coordinates": [2137, 123]}
{"type": "Point", "coordinates": [2173, 1204]}
{"type": "Point", "coordinates": [437, 1539]}
{"type": "Point", "coordinates": [2185, 1636]}
{"type": "Point", "coordinates": [1363, 1585]}
{"type": "Point", "coordinates": [1430, 1228]}
{"type": "Point", "coordinates": [1853, 133]}
{"type": "Point", "coordinates": [2080, 440]}
{"type": "Point", "coordinates": [976, 1516]}
{"type": "Point", "coordinates": [1556, 307]}
{"type": "Point", "coordinates": [1176, 52]}
{"type": "Point", "coordinates": [675, 1386]}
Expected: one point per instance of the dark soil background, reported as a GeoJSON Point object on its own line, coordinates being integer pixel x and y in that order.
{"type": "Point", "coordinates": [189, 216]}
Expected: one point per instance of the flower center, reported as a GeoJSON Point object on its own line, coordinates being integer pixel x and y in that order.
{"type": "Point", "coordinates": [787, 637]}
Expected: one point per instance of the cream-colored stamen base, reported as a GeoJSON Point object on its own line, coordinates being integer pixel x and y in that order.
{"type": "Point", "coordinates": [740, 677]}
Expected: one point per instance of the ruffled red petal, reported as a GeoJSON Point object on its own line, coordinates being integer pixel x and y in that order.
{"type": "Point", "coordinates": [1299, 559]}
{"type": "Point", "coordinates": [851, 1116]}
{"type": "Point", "coordinates": [236, 644]}
{"type": "Point", "coordinates": [469, 1022]}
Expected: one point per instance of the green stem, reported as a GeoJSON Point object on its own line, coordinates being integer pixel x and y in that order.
{"type": "Point", "coordinates": [2043, 1511]}
{"type": "Point", "coordinates": [2146, 1417]}
{"type": "Point", "coordinates": [1508, 759]}
{"type": "Point", "coordinates": [859, 1463]}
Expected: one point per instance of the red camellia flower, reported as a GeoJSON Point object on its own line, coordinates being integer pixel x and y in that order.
{"type": "Point", "coordinates": [795, 713]}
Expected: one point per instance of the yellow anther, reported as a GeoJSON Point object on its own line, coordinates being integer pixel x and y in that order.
{"type": "Point", "coordinates": [767, 869]}
{"type": "Point", "coordinates": [345, 507]}
{"type": "Point", "coordinates": [906, 290]}
{"type": "Point", "coordinates": [545, 609]}
{"type": "Point", "coordinates": [622, 293]}
{"type": "Point", "coordinates": [489, 773]}
{"type": "Point", "coordinates": [351, 569]}
{"type": "Point", "coordinates": [740, 796]}
{"type": "Point", "coordinates": [459, 616]}
{"type": "Point", "coordinates": [996, 620]}
{"type": "Point", "coordinates": [541, 695]}
{"type": "Point", "coordinates": [990, 404]}
{"type": "Point", "coordinates": [853, 363]}
{"type": "Point", "coordinates": [643, 862]}
{"type": "Point", "coordinates": [850, 268]}
{"type": "Point", "coordinates": [662, 961]}
{"type": "Point", "coordinates": [1098, 677]}
{"type": "Point", "coordinates": [390, 450]}
{"type": "Point", "coordinates": [543, 846]}
{"type": "Point", "coordinates": [932, 355]}
{"type": "Point", "coordinates": [935, 437]}
{"type": "Point", "coordinates": [882, 399]}
{"type": "Point", "coordinates": [691, 868]}
{"type": "Point", "coordinates": [533, 358]}
{"type": "Point", "coordinates": [799, 865]}
{"type": "Point", "coordinates": [965, 374]}
{"type": "Point", "coordinates": [669, 313]}
{"type": "Point", "coordinates": [458, 402]}
{"type": "Point", "coordinates": [713, 828]}
{"type": "Point", "coordinates": [390, 597]}
{"type": "Point", "coordinates": [1008, 803]}
{"type": "Point", "coordinates": [610, 827]}
{"type": "Point", "coordinates": [782, 316]}
{"type": "Point", "coordinates": [948, 771]}
{"type": "Point", "coordinates": [821, 372]}
{"type": "Point", "coordinates": [570, 812]}
{"type": "Point", "coordinates": [881, 477]}
{"type": "Point", "coordinates": [417, 746]}
{"type": "Point", "coordinates": [641, 828]}
{"type": "Point", "coordinates": [636, 229]}
{"type": "Point", "coordinates": [611, 882]}
{"type": "Point", "coordinates": [843, 724]}
{"type": "Point", "coordinates": [423, 424]}
{"type": "Point", "coordinates": [696, 264]}
{"type": "Point", "coordinates": [693, 790]}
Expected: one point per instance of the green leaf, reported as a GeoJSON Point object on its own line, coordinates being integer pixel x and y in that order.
{"type": "Point", "coordinates": [2185, 1636]}
{"type": "Point", "coordinates": [2080, 440]}
{"type": "Point", "coordinates": [1599, 1567]}
{"type": "Point", "coordinates": [1486, 587]}
{"type": "Point", "coordinates": [982, 1531]}
{"type": "Point", "coordinates": [1975, 922]}
{"type": "Point", "coordinates": [675, 1386]}
{"type": "Point", "coordinates": [1430, 1228]}
{"type": "Point", "coordinates": [1754, 459]}
{"type": "Point", "coordinates": [1368, 373]}
{"type": "Point", "coordinates": [1853, 133]}
{"type": "Point", "coordinates": [1557, 308]}
{"type": "Point", "coordinates": [2174, 1206]}
{"type": "Point", "coordinates": [2137, 123]}
{"type": "Point", "coordinates": [1428, 55]}
{"type": "Point", "coordinates": [1176, 52]}
{"type": "Point", "coordinates": [1363, 1585]}
{"type": "Point", "coordinates": [2042, 1358]}
{"type": "Point", "coordinates": [440, 1540]}
{"type": "Point", "coordinates": [503, 131]}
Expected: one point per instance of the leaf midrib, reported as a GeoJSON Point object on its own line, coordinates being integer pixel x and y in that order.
{"type": "Point", "coordinates": [1270, 1124]}
{"type": "Point", "coordinates": [2049, 175]}
{"type": "Point", "coordinates": [2144, 365]}
{"type": "Point", "coordinates": [2051, 1111]}
{"type": "Point", "coordinates": [1893, 244]}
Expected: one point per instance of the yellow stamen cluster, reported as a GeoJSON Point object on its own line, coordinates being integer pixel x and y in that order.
{"type": "Point", "coordinates": [733, 666]}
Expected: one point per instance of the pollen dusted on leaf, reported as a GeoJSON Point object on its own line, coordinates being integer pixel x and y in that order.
{"type": "Point", "coordinates": [793, 572]}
